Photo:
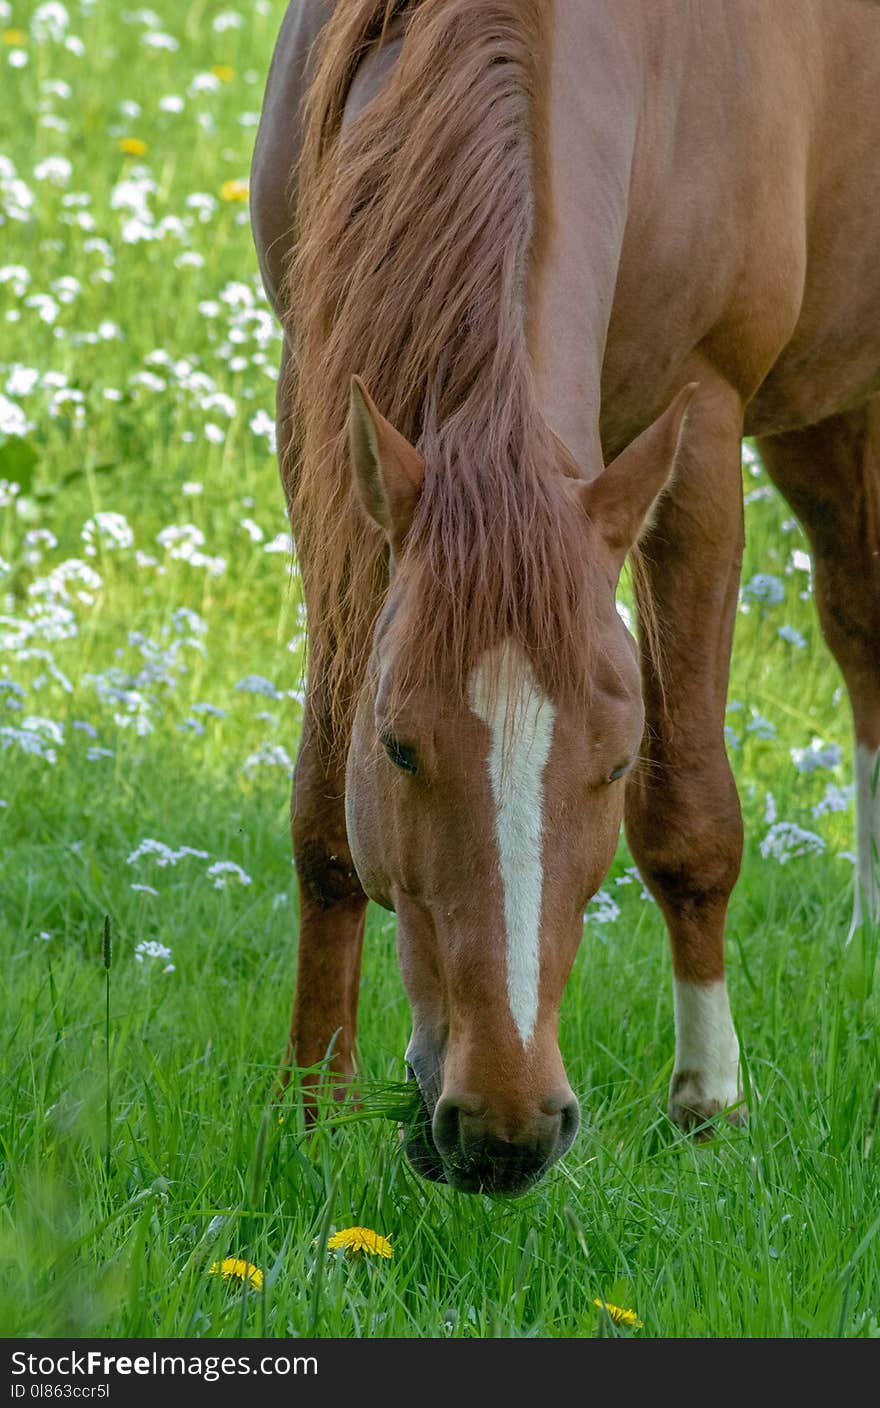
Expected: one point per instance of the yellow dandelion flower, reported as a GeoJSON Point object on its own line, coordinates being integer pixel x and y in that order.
{"type": "Point", "coordinates": [234, 1266]}
{"type": "Point", "coordinates": [224, 72]}
{"type": "Point", "coordinates": [14, 36]}
{"type": "Point", "coordinates": [357, 1240]}
{"type": "Point", "coordinates": [132, 146]}
{"type": "Point", "coordinates": [621, 1316]}
{"type": "Point", "coordinates": [234, 190]}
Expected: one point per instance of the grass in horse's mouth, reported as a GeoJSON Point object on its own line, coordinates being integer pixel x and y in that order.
{"type": "Point", "coordinates": [400, 1101]}
{"type": "Point", "coordinates": [418, 1139]}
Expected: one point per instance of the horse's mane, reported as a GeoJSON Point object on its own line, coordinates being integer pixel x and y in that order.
{"type": "Point", "coordinates": [416, 253]}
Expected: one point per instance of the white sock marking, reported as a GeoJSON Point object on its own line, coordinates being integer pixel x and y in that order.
{"type": "Point", "coordinates": [868, 832]}
{"type": "Point", "coordinates": [521, 720]}
{"type": "Point", "coordinates": [705, 1044]}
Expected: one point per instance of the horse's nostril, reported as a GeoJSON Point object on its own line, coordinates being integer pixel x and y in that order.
{"type": "Point", "coordinates": [570, 1118]}
{"type": "Point", "coordinates": [558, 1103]}
{"type": "Point", "coordinates": [446, 1128]}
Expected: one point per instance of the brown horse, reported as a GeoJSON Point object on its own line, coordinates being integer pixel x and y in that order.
{"type": "Point", "coordinates": [503, 236]}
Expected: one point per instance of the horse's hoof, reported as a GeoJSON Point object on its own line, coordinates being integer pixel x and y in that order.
{"type": "Point", "coordinates": [695, 1110]}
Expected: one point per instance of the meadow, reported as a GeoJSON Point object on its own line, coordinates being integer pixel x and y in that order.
{"type": "Point", "coordinates": [151, 639]}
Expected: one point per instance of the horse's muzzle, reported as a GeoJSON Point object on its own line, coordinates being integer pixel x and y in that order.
{"type": "Point", "coordinates": [478, 1157]}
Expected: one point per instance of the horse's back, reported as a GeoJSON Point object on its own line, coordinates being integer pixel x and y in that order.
{"type": "Point", "coordinates": [752, 221]}
{"type": "Point", "coordinates": [833, 356]}
{"type": "Point", "coordinates": [742, 141]}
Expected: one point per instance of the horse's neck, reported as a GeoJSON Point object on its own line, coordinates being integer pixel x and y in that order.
{"type": "Point", "coordinates": [591, 133]}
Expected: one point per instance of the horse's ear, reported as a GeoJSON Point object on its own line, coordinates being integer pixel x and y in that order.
{"type": "Point", "coordinates": [388, 472]}
{"type": "Point", "coordinates": [620, 500]}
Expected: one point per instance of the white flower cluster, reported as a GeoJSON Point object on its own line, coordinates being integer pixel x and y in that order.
{"type": "Point", "coordinates": [184, 541]}
{"type": "Point", "coordinates": [257, 684]}
{"type": "Point", "coordinates": [602, 909]}
{"type": "Point", "coordinates": [785, 841]}
{"type": "Point", "coordinates": [222, 871]}
{"type": "Point", "coordinates": [151, 948]}
{"type": "Point", "coordinates": [818, 755]}
{"type": "Point", "coordinates": [111, 531]}
{"type": "Point", "coordinates": [163, 855]}
{"type": "Point", "coordinates": [35, 736]}
{"type": "Point", "coordinates": [765, 589]}
{"type": "Point", "coordinates": [269, 755]}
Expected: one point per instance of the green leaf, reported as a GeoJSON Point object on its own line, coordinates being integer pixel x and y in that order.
{"type": "Point", "coordinates": [17, 460]}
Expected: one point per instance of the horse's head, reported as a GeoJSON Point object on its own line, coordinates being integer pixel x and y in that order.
{"type": "Point", "coordinates": [486, 815]}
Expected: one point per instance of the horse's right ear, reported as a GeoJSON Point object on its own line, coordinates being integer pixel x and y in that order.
{"type": "Point", "coordinates": [620, 500]}
{"type": "Point", "coordinates": [388, 471]}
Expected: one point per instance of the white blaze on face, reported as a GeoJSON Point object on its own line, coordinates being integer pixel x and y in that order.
{"type": "Point", "coordinates": [520, 719]}
{"type": "Point", "coordinates": [868, 831]}
{"type": "Point", "coordinates": [706, 1046]}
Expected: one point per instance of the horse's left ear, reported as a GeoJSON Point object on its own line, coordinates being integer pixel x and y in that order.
{"type": "Point", "coordinates": [620, 500]}
{"type": "Point", "coordinates": [388, 471]}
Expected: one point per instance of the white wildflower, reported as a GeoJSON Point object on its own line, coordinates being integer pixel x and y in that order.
{"type": "Point", "coordinates": [151, 948]}
{"type": "Point", "coordinates": [836, 799]}
{"type": "Point", "coordinates": [222, 871]}
{"type": "Point", "coordinates": [157, 39]}
{"type": "Point", "coordinates": [237, 295]}
{"type": "Point", "coordinates": [204, 83]}
{"type": "Point", "coordinates": [263, 424]}
{"type": "Point", "coordinates": [57, 170]}
{"type": "Point", "coordinates": [184, 619]}
{"type": "Point", "coordinates": [602, 909]}
{"type": "Point", "coordinates": [785, 841]}
{"type": "Point", "coordinates": [21, 381]}
{"type": "Point", "coordinates": [211, 709]}
{"type": "Point", "coordinates": [13, 420]}
{"type": "Point", "coordinates": [219, 401]}
{"type": "Point", "coordinates": [257, 684]}
{"type": "Point", "coordinates": [34, 737]}
{"type": "Point", "coordinates": [204, 204]}
{"type": "Point", "coordinates": [817, 756]}
{"type": "Point", "coordinates": [269, 755]}
{"type": "Point", "coordinates": [180, 539]}
{"type": "Point", "coordinates": [765, 589]}
{"type": "Point", "coordinates": [50, 21]}
{"type": "Point", "coordinates": [281, 543]}
{"type": "Point", "coordinates": [111, 530]}
{"type": "Point", "coordinates": [163, 855]}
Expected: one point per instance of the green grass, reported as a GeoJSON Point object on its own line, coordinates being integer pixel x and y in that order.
{"type": "Point", "coordinates": [770, 1232]}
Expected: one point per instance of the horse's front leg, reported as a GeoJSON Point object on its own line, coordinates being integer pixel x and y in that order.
{"type": "Point", "coordinates": [332, 907]}
{"type": "Point", "coordinates": [683, 818]}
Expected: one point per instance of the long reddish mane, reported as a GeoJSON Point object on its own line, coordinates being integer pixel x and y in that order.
{"type": "Point", "coordinates": [418, 243]}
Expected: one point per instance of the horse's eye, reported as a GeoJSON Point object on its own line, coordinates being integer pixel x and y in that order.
{"type": "Point", "coordinates": [401, 755]}
{"type": "Point", "coordinates": [619, 772]}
